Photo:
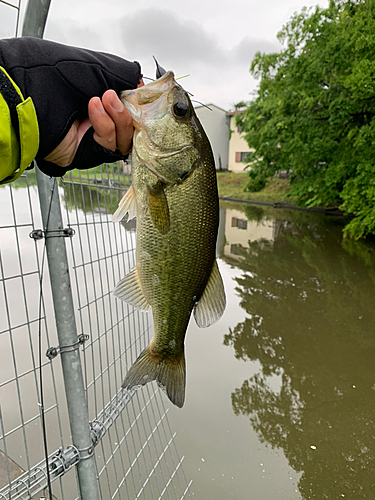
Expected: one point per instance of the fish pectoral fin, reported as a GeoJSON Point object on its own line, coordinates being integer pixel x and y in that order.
{"type": "Point", "coordinates": [126, 206]}
{"type": "Point", "coordinates": [158, 206]}
{"type": "Point", "coordinates": [211, 305]}
{"type": "Point", "coordinates": [170, 375]}
{"type": "Point", "coordinates": [129, 289]}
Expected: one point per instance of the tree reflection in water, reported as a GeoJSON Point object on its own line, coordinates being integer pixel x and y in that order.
{"type": "Point", "coordinates": [310, 306]}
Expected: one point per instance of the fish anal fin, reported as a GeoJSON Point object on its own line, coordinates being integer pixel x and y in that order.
{"type": "Point", "coordinates": [212, 304]}
{"type": "Point", "coordinates": [158, 206]}
{"type": "Point", "coordinates": [169, 374]}
{"type": "Point", "coordinates": [126, 206]}
{"type": "Point", "coordinates": [129, 289]}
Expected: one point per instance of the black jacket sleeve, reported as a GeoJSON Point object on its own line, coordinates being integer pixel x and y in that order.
{"type": "Point", "coordinates": [61, 80]}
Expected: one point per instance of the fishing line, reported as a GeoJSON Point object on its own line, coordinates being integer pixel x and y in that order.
{"type": "Point", "coordinates": [205, 105]}
{"type": "Point", "coordinates": [41, 404]}
{"type": "Point", "coordinates": [190, 94]}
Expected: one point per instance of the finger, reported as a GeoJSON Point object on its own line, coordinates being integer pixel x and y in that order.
{"type": "Point", "coordinates": [103, 124]}
{"type": "Point", "coordinates": [122, 120]}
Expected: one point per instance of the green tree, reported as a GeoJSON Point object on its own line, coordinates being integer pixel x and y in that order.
{"type": "Point", "coordinates": [314, 111]}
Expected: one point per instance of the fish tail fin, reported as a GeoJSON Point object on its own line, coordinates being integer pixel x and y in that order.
{"type": "Point", "coordinates": [170, 375]}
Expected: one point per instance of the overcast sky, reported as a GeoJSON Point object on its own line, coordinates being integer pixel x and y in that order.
{"type": "Point", "coordinates": [212, 40]}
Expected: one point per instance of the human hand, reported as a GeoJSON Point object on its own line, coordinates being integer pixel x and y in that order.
{"type": "Point", "coordinates": [112, 124]}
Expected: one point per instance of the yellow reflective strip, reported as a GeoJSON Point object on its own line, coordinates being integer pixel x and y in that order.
{"type": "Point", "coordinates": [13, 82]}
{"type": "Point", "coordinates": [9, 150]}
{"type": "Point", "coordinates": [11, 166]}
{"type": "Point", "coordinates": [29, 132]}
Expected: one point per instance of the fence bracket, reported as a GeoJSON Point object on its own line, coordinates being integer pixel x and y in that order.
{"type": "Point", "coordinates": [63, 460]}
{"type": "Point", "coordinates": [85, 453]}
{"type": "Point", "coordinates": [38, 234]}
{"type": "Point", "coordinates": [52, 352]}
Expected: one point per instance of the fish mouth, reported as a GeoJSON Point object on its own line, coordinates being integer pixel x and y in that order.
{"type": "Point", "coordinates": [149, 95]}
{"type": "Point", "coordinates": [160, 84]}
{"type": "Point", "coordinates": [148, 106]}
{"type": "Point", "coordinates": [151, 100]}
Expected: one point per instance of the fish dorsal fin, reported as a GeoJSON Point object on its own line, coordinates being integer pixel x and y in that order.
{"type": "Point", "coordinates": [129, 289]}
{"type": "Point", "coordinates": [126, 206]}
{"type": "Point", "coordinates": [211, 305]}
{"type": "Point", "coordinates": [158, 206]}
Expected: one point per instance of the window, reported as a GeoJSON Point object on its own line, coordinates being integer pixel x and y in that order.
{"type": "Point", "coordinates": [235, 249]}
{"type": "Point", "coordinates": [240, 157]}
{"type": "Point", "coordinates": [240, 223]}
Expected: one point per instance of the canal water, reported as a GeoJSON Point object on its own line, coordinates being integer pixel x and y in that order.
{"type": "Point", "coordinates": [280, 396]}
{"type": "Point", "coordinates": [280, 400]}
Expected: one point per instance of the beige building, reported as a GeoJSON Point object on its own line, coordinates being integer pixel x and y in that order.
{"type": "Point", "coordinates": [238, 148]}
{"type": "Point", "coordinates": [239, 232]}
{"type": "Point", "coordinates": [228, 144]}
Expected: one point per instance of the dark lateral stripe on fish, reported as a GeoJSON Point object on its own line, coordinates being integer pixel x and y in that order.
{"type": "Point", "coordinates": [176, 203]}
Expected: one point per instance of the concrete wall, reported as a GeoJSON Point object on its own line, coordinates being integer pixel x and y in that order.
{"type": "Point", "coordinates": [216, 126]}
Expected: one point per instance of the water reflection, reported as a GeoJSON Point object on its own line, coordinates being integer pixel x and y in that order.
{"type": "Point", "coordinates": [309, 299]}
{"type": "Point", "coordinates": [243, 227]}
{"type": "Point", "coordinates": [91, 199]}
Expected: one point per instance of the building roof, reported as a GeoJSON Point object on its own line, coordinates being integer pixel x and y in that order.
{"type": "Point", "coordinates": [237, 112]}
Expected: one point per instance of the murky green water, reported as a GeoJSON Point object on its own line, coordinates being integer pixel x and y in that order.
{"type": "Point", "coordinates": [280, 399]}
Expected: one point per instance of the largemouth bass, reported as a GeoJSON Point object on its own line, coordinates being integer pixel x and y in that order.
{"type": "Point", "coordinates": [174, 197]}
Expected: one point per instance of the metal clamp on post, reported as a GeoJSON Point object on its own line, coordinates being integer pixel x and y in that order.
{"type": "Point", "coordinates": [52, 352]}
{"type": "Point", "coordinates": [38, 234]}
{"type": "Point", "coordinates": [86, 453]}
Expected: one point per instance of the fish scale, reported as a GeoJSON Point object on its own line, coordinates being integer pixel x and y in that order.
{"type": "Point", "coordinates": [174, 260]}
{"type": "Point", "coordinates": [176, 204]}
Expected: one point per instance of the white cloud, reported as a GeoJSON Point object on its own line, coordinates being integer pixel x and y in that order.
{"type": "Point", "coordinates": [245, 50]}
{"type": "Point", "coordinates": [213, 41]}
{"type": "Point", "coordinates": [163, 33]}
{"type": "Point", "coordinates": [219, 74]}
{"type": "Point", "coordinates": [8, 21]}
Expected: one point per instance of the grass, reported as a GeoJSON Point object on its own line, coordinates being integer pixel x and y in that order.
{"type": "Point", "coordinates": [229, 184]}
{"type": "Point", "coordinates": [234, 185]}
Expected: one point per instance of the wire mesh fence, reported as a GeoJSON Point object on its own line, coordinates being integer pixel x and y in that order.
{"type": "Point", "coordinates": [10, 17]}
{"type": "Point", "coordinates": [131, 439]}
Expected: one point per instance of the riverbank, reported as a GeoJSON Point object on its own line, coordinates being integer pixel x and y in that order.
{"type": "Point", "coordinates": [233, 186]}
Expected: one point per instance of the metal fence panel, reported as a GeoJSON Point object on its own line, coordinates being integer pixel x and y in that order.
{"type": "Point", "coordinates": [9, 16]}
{"type": "Point", "coordinates": [135, 455]}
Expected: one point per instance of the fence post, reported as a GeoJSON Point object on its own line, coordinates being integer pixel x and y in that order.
{"type": "Point", "coordinates": [35, 18]}
{"type": "Point", "coordinates": [67, 336]}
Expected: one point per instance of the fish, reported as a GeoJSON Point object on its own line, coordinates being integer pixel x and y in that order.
{"type": "Point", "coordinates": [175, 200]}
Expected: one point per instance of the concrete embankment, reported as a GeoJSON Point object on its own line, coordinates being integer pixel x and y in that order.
{"type": "Point", "coordinates": [280, 204]}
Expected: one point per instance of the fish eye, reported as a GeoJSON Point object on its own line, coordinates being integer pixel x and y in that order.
{"type": "Point", "coordinates": [180, 109]}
